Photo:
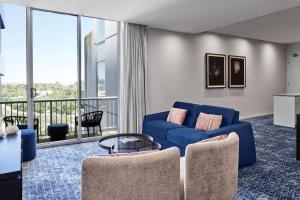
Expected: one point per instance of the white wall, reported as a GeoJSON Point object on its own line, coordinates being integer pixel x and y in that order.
{"type": "Point", "coordinates": [293, 68]}
{"type": "Point", "coordinates": [176, 71]}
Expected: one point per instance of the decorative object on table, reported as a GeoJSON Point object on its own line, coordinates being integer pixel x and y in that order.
{"type": "Point", "coordinates": [128, 142]}
{"type": "Point", "coordinates": [2, 134]}
{"type": "Point", "coordinates": [28, 144]}
{"type": "Point", "coordinates": [215, 70]}
{"type": "Point", "coordinates": [236, 71]}
{"type": "Point", "coordinates": [58, 131]}
{"type": "Point", "coordinates": [11, 129]}
{"type": "Point", "coordinates": [21, 122]}
{"type": "Point", "coordinates": [91, 119]}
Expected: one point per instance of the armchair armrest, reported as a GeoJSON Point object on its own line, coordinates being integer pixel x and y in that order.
{"type": "Point", "coordinates": [157, 116]}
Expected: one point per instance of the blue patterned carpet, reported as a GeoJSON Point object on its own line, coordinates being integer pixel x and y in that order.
{"type": "Point", "coordinates": [55, 173]}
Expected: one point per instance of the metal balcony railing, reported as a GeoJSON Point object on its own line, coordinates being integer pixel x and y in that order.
{"type": "Point", "coordinates": [52, 111]}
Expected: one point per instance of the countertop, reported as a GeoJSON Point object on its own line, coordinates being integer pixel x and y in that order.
{"type": "Point", "coordinates": [288, 94]}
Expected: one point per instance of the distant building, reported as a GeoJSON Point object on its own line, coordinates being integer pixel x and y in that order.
{"type": "Point", "coordinates": [101, 77]}
{"type": "Point", "coordinates": [101, 60]}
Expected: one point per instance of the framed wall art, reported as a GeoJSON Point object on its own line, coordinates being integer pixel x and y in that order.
{"type": "Point", "coordinates": [236, 71]}
{"type": "Point", "coordinates": [215, 70]}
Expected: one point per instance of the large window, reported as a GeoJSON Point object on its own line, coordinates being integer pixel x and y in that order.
{"type": "Point", "coordinates": [13, 61]}
{"type": "Point", "coordinates": [53, 77]}
{"type": "Point", "coordinates": [13, 53]}
{"type": "Point", "coordinates": [99, 68]}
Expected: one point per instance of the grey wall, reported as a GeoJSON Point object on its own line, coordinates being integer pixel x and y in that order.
{"type": "Point", "coordinates": [293, 68]}
{"type": "Point", "coordinates": [176, 71]}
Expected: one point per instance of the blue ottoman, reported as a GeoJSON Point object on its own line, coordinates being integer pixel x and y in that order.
{"type": "Point", "coordinates": [28, 144]}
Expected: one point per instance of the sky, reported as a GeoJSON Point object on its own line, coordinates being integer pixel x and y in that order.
{"type": "Point", "coordinates": [54, 45]}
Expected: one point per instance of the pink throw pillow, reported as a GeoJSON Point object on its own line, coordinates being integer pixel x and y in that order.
{"type": "Point", "coordinates": [208, 122]}
{"type": "Point", "coordinates": [216, 138]}
{"type": "Point", "coordinates": [176, 116]}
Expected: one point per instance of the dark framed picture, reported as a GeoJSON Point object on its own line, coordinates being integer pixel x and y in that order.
{"type": "Point", "coordinates": [236, 71]}
{"type": "Point", "coordinates": [215, 70]}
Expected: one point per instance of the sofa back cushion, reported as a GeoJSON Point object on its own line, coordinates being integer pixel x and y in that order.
{"type": "Point", "coordinates": [236, 117]}
{"type": "Point", "coordinates": [190, 118]}
{"type": "Point", "coordinates": [228, 114]}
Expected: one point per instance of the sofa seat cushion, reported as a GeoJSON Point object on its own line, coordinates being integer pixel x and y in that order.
{"type": "Point", "coordinates": [159, 128]}
{"type": "Point", "coordinates": [184, 136]}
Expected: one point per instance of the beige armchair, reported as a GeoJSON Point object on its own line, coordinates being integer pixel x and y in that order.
{"type": "Point", "coordinates": [210, 170]}
{"type": "Point", "coordinates": [149, 176]}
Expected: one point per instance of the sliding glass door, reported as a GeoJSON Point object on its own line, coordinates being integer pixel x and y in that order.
{"type": "Point", "coordinates": [55, 85]}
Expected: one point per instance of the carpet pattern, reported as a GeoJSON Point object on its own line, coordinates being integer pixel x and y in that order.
{"type": "Point", "coordinates": [55, 173]}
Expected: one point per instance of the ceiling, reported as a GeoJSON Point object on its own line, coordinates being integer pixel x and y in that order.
{"type": "Point", "coordinates": [280, 27]}
{"type": "Point", "coordinates": [192, 16]}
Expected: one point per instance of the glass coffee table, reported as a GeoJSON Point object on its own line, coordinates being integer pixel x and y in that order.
{"type": "Point", "coordinates": [127, 143]}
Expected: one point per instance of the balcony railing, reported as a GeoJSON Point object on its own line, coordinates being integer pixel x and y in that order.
{"type": "Point", "coordinates": [52, 111]}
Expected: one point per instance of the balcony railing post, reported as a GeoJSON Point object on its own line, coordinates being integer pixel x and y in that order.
{"type": "Point", "coordinates": [50, 112]}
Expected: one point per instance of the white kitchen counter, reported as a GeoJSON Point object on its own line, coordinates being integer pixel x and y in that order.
{"type": "Point", "coordinates": [286, 107]}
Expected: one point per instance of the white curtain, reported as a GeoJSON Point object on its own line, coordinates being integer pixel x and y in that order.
{"type": "Point", "coordinates": [132, 78]}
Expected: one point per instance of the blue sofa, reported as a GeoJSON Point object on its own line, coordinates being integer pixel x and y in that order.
{"type": "Point", "coordinates": [169, 135]}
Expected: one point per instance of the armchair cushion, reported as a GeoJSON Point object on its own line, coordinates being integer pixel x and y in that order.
{"type": "Point", "coordinates": [184, 136]}
{"type": "Point", "coordinates": [159, 128]}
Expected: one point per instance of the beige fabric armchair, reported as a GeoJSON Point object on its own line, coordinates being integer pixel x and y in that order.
{"type": "Point", "coordinates": [210, 170]}
{"type": "Point", "coordinates": [150, 176]}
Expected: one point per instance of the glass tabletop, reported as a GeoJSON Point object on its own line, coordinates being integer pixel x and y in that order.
{"type": "Point", "coordinates": [128, 142]}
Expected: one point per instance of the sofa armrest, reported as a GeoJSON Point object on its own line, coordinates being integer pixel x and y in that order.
{"type": "Point", "coordinates": [247, 144]}
{"type": "Point", "coordinates": [157, 116]}
{"type": "Point", "coordinates": [230, 128]}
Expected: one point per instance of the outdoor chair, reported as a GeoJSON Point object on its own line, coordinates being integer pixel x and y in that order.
{"type": "Point", "coordinates": [91, 119]}
{"type": "Point", "coordinates": [21, 122]}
